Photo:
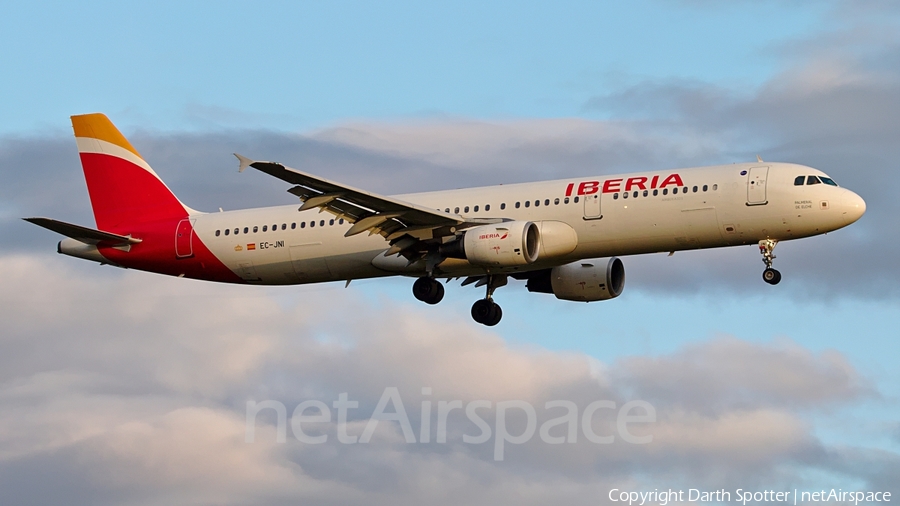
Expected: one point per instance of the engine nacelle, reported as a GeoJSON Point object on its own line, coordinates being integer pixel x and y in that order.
{"type": "Point", "coordinates": [505, 244]}
{"type": "Point", "coordinates": [582, 281]}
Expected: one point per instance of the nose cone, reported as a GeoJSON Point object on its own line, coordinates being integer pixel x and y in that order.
{"type": "Point", "coordinates": [852, 206]}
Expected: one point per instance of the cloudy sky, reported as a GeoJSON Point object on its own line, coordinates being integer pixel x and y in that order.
{"type": "Point", "coordinates": [120, 387]}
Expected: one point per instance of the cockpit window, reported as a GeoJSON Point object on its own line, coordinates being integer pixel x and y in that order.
{"type": "Point", "coordinates": [828, 180]}
{"type": "Point", "coordinates": [799, 180]}
{"type": "Point", "coordinates": [812, 180]}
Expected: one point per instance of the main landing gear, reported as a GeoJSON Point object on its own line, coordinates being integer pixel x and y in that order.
{"type": "Point", "coordinates": [428, 290]}
{"type": "Point", "coordinates": [770, 275]}
{"type": "Point", "coordinates": [484, 311]}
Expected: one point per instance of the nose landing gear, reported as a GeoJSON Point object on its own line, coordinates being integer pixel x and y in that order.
{"type": "Point", "coordinates": [486, 311]}
{"type": "Point", "coordinates": [770, 275]}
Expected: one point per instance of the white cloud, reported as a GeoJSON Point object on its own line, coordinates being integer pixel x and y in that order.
{"type": "Point", "coordinates": [124, 384]}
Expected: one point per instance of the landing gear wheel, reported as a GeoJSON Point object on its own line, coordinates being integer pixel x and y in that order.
{"type": "Point", "coordinates": [428, 290]}
{"type": "Point", "coordinates": [486, 312]}
{"type": "Point", "coordinates": [771, 276]}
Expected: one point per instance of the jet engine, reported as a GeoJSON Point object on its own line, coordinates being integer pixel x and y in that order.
{"type": "Point", "coordinates": [507, 244]}
{"type": "Point", "coordinates": [582, 281]}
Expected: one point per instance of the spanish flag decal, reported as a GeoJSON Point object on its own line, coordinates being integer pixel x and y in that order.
{"type": "Point", "coordinates": [251, 246]}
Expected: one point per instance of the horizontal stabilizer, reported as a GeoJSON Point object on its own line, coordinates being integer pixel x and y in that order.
{"type": "Point", "coordinates": [83, 234]}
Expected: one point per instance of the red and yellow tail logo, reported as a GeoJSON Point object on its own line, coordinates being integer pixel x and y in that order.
{"type": "Point", "coordinates": [124, 189]}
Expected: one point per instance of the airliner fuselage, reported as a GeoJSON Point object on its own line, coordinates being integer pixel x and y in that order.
{"type": "Point", "coordinates": [562, 236]}
{"type": "Point", "coordinates": [710, 207]}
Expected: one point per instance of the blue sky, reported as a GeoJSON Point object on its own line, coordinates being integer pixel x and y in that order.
{"type": "Point", "coordinates": [413, 95]}
{"type": "Point", "coordinates": [302, 65]}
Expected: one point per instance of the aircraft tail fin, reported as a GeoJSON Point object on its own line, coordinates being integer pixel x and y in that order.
{"type": "Point", "coordinates": [123, 188]}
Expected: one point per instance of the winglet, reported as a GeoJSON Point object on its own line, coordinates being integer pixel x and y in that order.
{"type": "Point", "coordinates": [758, 159]}
{"type": "Point", "coordinates": [245, 162]}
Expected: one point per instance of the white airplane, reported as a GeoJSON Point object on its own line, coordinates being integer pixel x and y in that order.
{"type": "Point", "coordinates": [563, 237]}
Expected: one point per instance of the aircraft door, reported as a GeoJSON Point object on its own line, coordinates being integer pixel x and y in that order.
{"type": "Point", "coordinates": [756, 186]}
{"type": "Point", "coordinates": [184, 238]}
{"type": "Point", "coordinates": [592, 207]}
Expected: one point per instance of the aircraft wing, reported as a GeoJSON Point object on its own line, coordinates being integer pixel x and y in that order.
{"type": "Point", "coordinates": [392, 218]}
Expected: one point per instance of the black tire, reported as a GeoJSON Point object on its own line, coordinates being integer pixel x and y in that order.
{"type": "Point", "coordinates": [496, 315]}
{"type": "Point", "coordinates": [428, 290]}
{"type": "Point", "coordinates": [482, 310]}
{"type": "Point", "coordinates": [486, 312]}
{"type": "Point", "coordinates": [771, 276]}
{"type": "Point", "coordinates": [439, 293]}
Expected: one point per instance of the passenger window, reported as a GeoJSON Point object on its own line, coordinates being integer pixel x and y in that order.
{"type": "Point", "coordinates": [566, 200]}
{"type": "Point", "coordinates": [246, 230]}
{"type": "Point", "coordinates": [705, 187]}
{"type": "Point", "coordinates": [665, 191]}
{"type": "Point", "coordinates": [265, 227]}
{"type": "Point", "coordinates": [341, 221]}
{"type": "Point", "coordinates": [503, 206]}
{"type": "Point", "coordinates": [487, 207]}
{"type": "Point", "coordinates": [255, 229]}
{"type": "Point", "coordinates": [527, 203]}
{"type": "Point", "coordinates": [715, 187]}
{"type": "Point", "coordinates": [312, 224]}
{"type": "Point", "coordinates": [695, 189]}
{"type": "Point", "coordinates": [799, 180]}
{"type": "Point", "coordinates": [226, 231]}
{"type": "Point", "coordinates": [556, 202]}
{"type": "Point", "coordinates": [331, 223]}
{"type": "Point", "coordinates": [517, 205]}
{"type": "Point", "coordinates": [624, 195]}
{"type": "Point", "coordinates": [635, 194]}
{"type": "Point", "coordinates": [812, 180]}
{"type": "Point", "coordinates": [237, 231]}
{"type": "Point", "coordinates": [575, 200]}
{"type": "Point", "coordinates": [646, 193]}
{"type": "Point", "coordinates": [455, 210]}
{"type": "Point", "coordinates": [475, 209]}
{"type": "Point", "coordinates": [217, 233]}
{"type": "Point", "coordinates": [674, 191]}
{"type": "Point", "coordinates": [655, 192]}
{"type": "Point", "coordinates": [302, 224]}
{"type": "Point", "coordinates": [546, 202]}
{"type": "Point", "coordinates": [284, 226]}
{"type": "Point", "coordinates": [322, 223]}
{"type": "Point", "coordinates": [537, 203]}
{"type": "Point", "coordinates": [615, 196]}
{"type": "Point", "coordinates": [447, 210]}
{"type": "Point", "coordinates": [466, 209]}
{"type": "Point", "coordinates": [293, 226]}
{"type": "Point", "coordinates": [684, 190]}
